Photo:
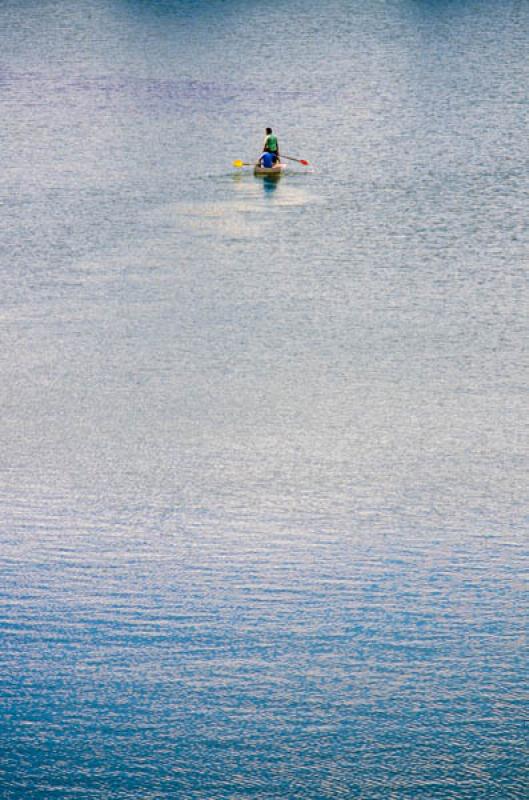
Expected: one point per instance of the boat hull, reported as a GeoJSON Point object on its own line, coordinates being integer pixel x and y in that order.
{"type": "Point", "coordinates": [274, 171]}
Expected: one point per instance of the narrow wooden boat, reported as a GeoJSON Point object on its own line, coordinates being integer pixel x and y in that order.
{"type": "Point", "coordinates": [275, 171]}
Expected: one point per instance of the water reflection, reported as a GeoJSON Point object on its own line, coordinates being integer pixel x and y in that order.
{"type": "Point", "coordinates": [270, 183]}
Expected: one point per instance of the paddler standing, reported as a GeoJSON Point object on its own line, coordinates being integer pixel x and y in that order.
{"type": "Point", "coordinates": [271, 145]}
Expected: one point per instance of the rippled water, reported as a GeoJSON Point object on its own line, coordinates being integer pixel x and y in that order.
{"type": "Point", "coordinates": [263, 445]}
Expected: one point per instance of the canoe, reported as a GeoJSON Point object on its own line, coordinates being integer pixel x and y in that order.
{"type": "Point", "coordinates": [276, 170]}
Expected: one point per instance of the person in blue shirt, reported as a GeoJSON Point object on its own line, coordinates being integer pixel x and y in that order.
{"type": "Point", "coordinates": [267, 160]}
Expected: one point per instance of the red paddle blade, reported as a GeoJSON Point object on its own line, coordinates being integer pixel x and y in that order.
{"type": "Point", "coordinates": [302, 161]}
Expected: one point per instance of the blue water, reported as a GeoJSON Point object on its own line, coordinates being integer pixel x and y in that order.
{"type": "Point", "coordinates": [264, 451]}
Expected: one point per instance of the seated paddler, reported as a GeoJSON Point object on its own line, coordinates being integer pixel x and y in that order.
{"type": "Point", "coordinates": [267, 160]}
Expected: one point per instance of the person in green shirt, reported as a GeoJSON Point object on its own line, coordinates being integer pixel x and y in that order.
{"type": "Point", "coordinates": [271, 145]}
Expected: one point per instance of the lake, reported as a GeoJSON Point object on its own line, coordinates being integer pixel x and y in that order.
{"type": "Point", "coordinates": [264, 445]}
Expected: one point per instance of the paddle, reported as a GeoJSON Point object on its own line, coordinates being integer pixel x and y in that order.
{"type": "Point", "coordinates": [239, 163]}
{"type": "Point", "coordinates": [299, 160]}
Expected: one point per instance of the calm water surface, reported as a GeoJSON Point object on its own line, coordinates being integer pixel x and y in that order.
{"type": "Point", "coordinates": [263, 464]}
